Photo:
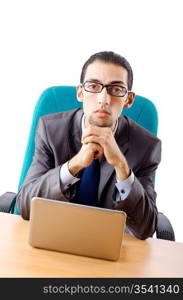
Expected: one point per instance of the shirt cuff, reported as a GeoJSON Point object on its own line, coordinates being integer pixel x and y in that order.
{"type": "Point", "coordinates": [66, 178]}
{"type": "Point", "coordinates": [124, 187]}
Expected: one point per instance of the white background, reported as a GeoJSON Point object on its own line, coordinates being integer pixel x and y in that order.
{"type": "Point", "coordinates": [46, 42]}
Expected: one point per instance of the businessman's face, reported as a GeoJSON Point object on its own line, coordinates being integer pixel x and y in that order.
{"type": "Point", "coordinates": [103, 108]}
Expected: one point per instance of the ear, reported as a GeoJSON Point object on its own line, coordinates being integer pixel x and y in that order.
{"type": "Point", "coordinates": [79, 93]}
{"type": "Point", "coordinates": [129, 100]}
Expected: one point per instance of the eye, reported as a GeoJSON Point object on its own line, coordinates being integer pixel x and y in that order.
{"type": "Point", "coordinates": [92, 87]}
{"type": "Point", "coordinates": [117, 90]}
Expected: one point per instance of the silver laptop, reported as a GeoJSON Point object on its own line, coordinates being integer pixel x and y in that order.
{"type": "Point", "coordinates": [76, 229]}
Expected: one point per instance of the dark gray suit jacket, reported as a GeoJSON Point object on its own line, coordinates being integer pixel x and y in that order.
{"type": "Point", "coordinates": [58, 139]}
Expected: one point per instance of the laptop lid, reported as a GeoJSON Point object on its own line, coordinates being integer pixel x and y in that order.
{"type": "Point", "coordinates": [76, 229]}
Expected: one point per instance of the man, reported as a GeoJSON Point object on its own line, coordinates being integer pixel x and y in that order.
{"type": "Point", "coordinates": [68, 144]}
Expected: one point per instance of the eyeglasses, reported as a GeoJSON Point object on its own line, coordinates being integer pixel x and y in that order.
{"type": "Point", "coordinates": [112, 89]}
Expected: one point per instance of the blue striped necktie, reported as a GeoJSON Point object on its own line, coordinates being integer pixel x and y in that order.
{"type": "Point", "coordinates": [87, 193]}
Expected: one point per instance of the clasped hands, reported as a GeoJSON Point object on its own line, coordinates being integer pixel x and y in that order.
{"type": "Point", "coordinates": [98, 141]}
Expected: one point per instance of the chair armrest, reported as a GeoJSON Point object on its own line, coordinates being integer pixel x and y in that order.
{"type": "Point", "coordinates": [7, 201]}
{"type": "Point", "coordinates": [164, 229]}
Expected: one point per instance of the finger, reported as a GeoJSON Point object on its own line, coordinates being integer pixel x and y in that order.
{"type": "Point", "coordinates": [85, 135]}
{"type": "Point", "coordinates": [98, 154]}
{"type": "Point", "coordinates": [92, 139]}
{"type": "Point", "coordinates": [96, 149]}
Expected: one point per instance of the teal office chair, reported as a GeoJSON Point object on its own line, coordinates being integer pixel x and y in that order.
{"type": "Point", "coordinates": [62, 98]}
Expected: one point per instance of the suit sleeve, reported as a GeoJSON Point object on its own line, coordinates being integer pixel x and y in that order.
{"type": "Point", "coordinates": [140, 204]}
{"type": "Point", "coordinates": [43, 178]}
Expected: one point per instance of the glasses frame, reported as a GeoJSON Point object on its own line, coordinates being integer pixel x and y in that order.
{"type": "Point", "coordinates": [104, 86]}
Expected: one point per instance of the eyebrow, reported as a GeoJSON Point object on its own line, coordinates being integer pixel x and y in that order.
{"type": "Point", "coordinates": [112, 82]}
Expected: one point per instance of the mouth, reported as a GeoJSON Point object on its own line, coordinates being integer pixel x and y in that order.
{"type": "Point", "coordinates": [102, 113]}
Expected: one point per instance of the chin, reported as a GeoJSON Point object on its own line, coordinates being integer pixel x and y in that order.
{"type": "Point", "coordinates": [100, 123]}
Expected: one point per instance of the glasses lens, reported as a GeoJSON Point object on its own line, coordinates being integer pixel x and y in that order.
{"type": "Point", "coordinates": [92, 87]}
{"type": "Point", "coordinates": [118, 91]}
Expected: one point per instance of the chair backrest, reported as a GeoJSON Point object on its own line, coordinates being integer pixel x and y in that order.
{"type": "Point", "coordinates": [62, 98]}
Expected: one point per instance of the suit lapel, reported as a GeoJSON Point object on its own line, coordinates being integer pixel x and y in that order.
{"type": "Point", "coordinates": [122, 137]}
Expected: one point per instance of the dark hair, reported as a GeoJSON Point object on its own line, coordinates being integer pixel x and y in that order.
{"type": "Point", "coordinates": [109, 57]}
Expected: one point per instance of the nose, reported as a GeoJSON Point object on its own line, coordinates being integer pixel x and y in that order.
{"type": "Point", "coordinates": [104, 97]}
